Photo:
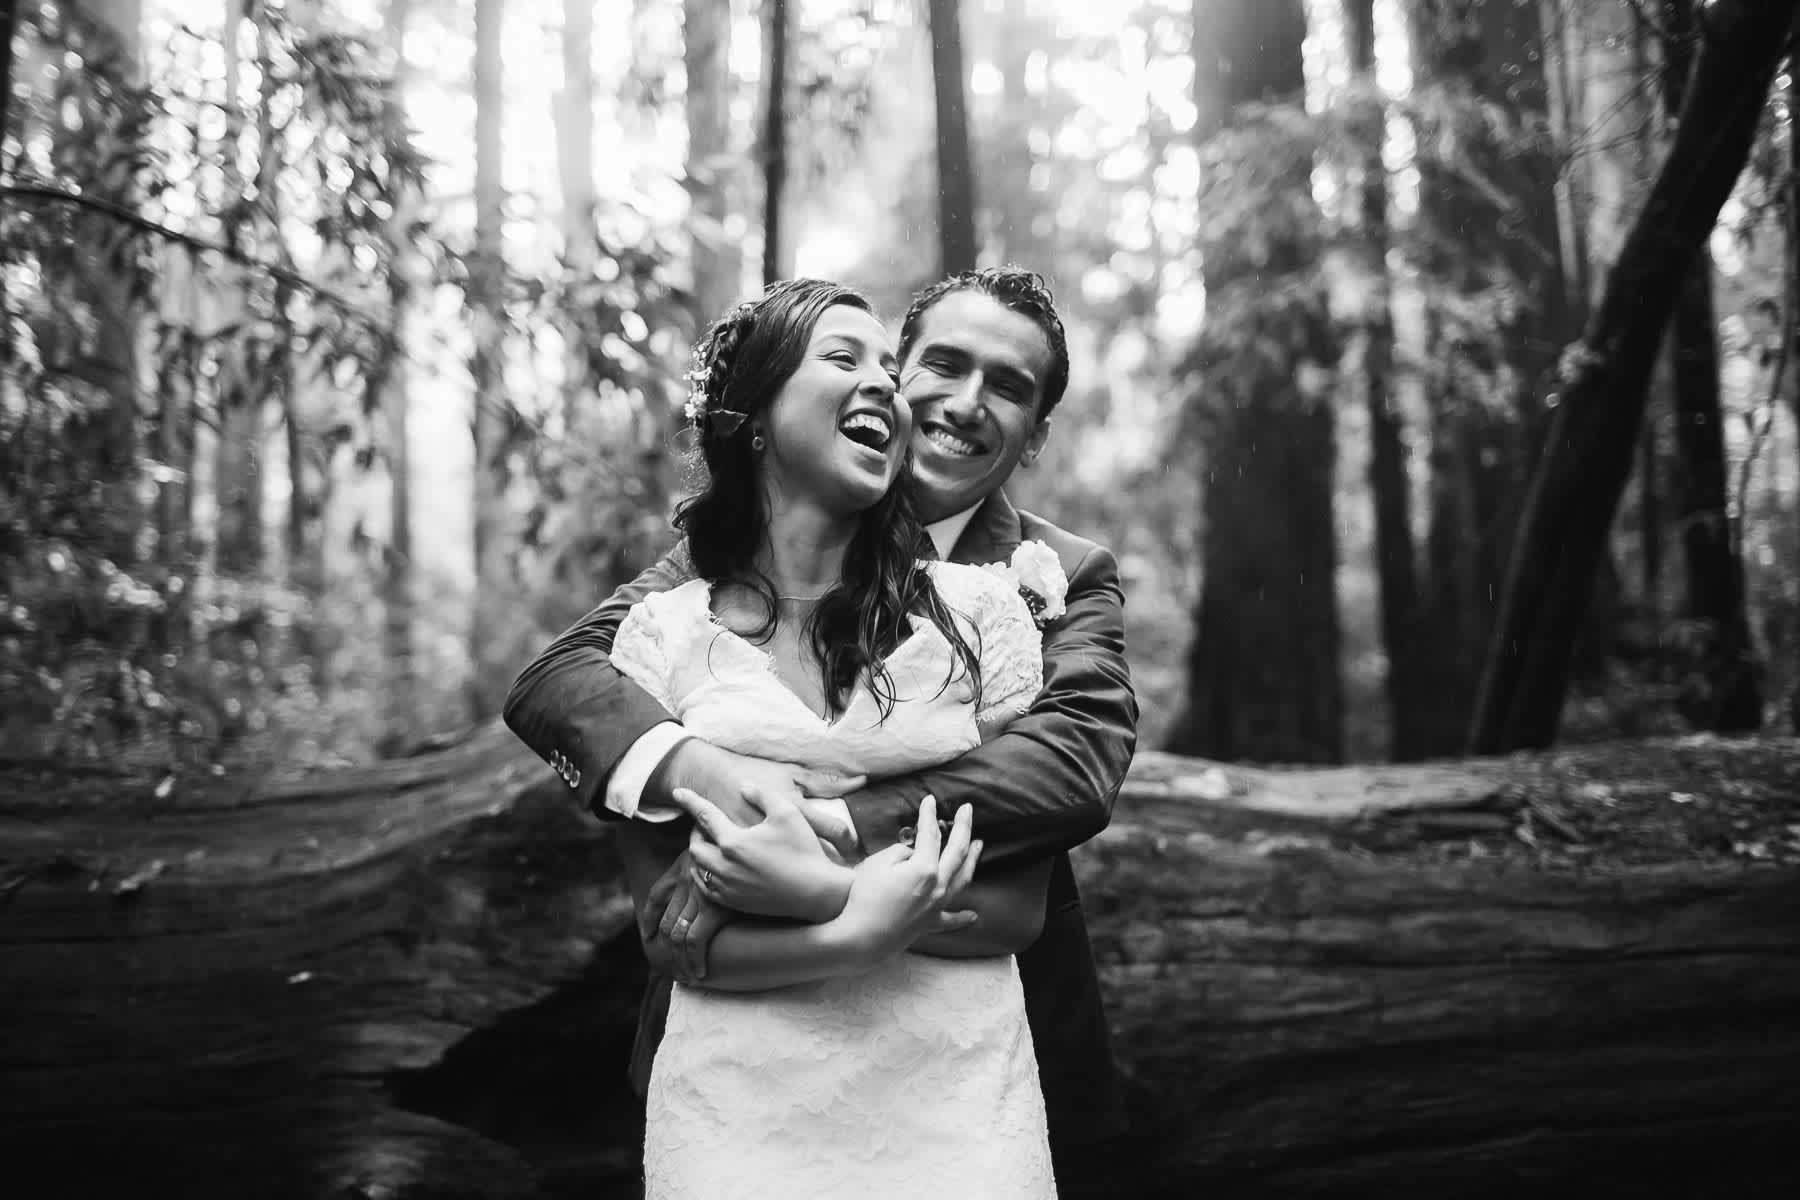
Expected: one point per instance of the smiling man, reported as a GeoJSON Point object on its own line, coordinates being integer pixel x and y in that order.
{"type": "Point", "coordinates": [983, 364]}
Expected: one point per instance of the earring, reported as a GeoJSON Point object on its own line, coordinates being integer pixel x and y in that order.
{"type": "Point", "coordinates": [756, 442]}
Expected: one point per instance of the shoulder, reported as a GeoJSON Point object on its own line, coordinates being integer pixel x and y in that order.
{"type": "Point", "coordinates": [1078, 555]}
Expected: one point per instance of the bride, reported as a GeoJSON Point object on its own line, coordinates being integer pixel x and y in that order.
{"type": "Point", "coordinates": [865, 1035]}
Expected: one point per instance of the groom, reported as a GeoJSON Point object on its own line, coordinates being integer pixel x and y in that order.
{"type": "Point", "coordinates": [983, 362]}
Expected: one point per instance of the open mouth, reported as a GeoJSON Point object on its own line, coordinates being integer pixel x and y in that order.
{"type": "Point", "coordinates": [868, 429]}
{"type": "Point", "coordinates": [951, 443]}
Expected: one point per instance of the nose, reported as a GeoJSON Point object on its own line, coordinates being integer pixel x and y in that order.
{"type": "Point", "coordinates": [963, 405]}
{"type": "Point", "coordinates": [878, 384]}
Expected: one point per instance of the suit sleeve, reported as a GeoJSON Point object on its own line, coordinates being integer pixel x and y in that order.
{"type": "Point", "coordinates": [572, 703]}
{"type": "Point", "coordinates": [1046, 783]}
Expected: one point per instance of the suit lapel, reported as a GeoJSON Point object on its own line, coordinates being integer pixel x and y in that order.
{"type": "Point", "coordinates": [992, 534]}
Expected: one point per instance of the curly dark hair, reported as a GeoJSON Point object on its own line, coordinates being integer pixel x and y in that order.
{"type": "Point", "coordinates": [1024, 292]}
{"type": "Point", "coordinates": [740, 365]}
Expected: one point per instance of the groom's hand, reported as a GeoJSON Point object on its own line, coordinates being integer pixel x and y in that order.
{"type": "Point", "coordinates": [677, 924]}
{"type": "Point", "coordinates": [722, 777]}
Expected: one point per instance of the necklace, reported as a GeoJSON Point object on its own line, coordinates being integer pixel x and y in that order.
{"type": "Point", "coordinates": [779, 596]}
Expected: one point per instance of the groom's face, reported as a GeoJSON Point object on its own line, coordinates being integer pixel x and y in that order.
{"type": "Point", "coordinates": [974, 377]}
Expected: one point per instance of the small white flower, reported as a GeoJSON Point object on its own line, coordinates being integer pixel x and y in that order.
{"type": "Point", "coordinates": [1038, 574]}
{"type": "Point", "coordinates": [695, 407]}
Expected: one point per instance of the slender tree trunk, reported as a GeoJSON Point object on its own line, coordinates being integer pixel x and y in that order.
{"type": "Point", "coordinates": [1601, 395]}
{"type": "Point", "coordinates": [1481, 384]}
{"type": "Point", "coordinates": [573, 114]}
{"type": "Point", "coordinates": [1263, 678]}
{"type": "Point", "coordinates": [711, 171]}
{"type": "Point", "coordinates": [109, 357]}
{"type": "Point", "coordinates": [956, 174]}
{"type": "Point", "coordinates": [1728, 697]}
{"type": "Point", "coordinates": [774, 147]}
{"type": "Point", "coordinates": [1389, 486]}
{"type": "Point", "coordinates": [486, 366]}
{"type": "Point", "coordinates": [1007, 152]}
{"type": "Point", "coordinates": [237, 474]}
{"type": "Point", "coordinates": [395, 401]}
{"type": "Point", "coordinates": [9, 23]}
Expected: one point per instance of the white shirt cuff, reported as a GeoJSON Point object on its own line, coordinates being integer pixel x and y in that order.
{"type": "Point", "coordinates": [625, 791]}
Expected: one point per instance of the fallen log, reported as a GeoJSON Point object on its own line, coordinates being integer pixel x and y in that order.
{"type": "Point", "coordinates": [419, 979]}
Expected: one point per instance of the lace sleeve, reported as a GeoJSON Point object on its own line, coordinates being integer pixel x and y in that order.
{"type": "Point", "coordinates": [640, 653]}
{"type": "Point", "coordinates": [1012, 656]}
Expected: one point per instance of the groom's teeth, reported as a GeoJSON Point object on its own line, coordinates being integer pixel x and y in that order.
{"type": "Point", "coordinates": [945, 440]}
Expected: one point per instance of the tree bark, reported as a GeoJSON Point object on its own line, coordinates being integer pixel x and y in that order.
{"type": "Point", "coordinates": [1480, 382]}
{"type": "Point", "coordinates": [1602, 392]}
{"type": "Point", "coordinates": [956, 173]}
{"type": "Point", "coordinates": [1408, 692]}
{"type": "Point", "coordinates": [109, 357]}
{"type": "Point", "coordinates": [395, 401]}
{"type": "Point", "coordinates": [1263, 681]}
{"type": "Point", "coordinates": [237, 473]}
{"type": "Point", "coordinates": [1727, 696]}
{"type": "Point", "coordinates": [711, 166]}
{"type": "Point", "coordinates": [486, 366]}
{"type": "Point", "coordinates": [9, 23]}
{"type": "Point", "coordinates": [419, 979]}
{"type": "Point", "coordinates": [774, 147]}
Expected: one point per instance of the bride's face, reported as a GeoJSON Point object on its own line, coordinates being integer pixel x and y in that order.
{"type": "Point", "coordinates": [838, 429]}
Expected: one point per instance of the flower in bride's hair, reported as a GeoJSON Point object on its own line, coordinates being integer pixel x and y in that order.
{"type": "Point", "coordinates": [695, 407]}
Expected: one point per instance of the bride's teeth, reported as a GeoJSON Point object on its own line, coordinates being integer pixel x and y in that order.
{"type": "Point", "coordinates": [873, 424]}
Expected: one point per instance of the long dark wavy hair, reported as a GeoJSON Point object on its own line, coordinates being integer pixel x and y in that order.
{"type": "Point", "coordinates": [739, 366]}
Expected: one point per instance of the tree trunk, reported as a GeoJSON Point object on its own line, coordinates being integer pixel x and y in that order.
{"type": "Point", "coordinates": [573, 115]}
{"type": "Point", "coordinates": [486, 367]}
{"type": "Point", "coordinates": [110, 359]}
{"type": "Point", "coordinates": [956, 173]}
{"type": "Point", "coordinates": [774, 147]}
{"type": "Point", "coordinates": [9, 22]}
{"type": "Point", "coordinates": [419, 979]}
{"type": "Point", "coordinates": [1480, 382]}
{"type": "Point", "coordinates": [395, 401]}
{"type": "Point", "coordinates": [1601, 395]}
{"type": "Point", "coordinates": [1727, 696]}
{"type": "Point", "coordinates": [1006, 146]}
{"type": "Point", "coordinates": [1402, 638]}
{"type": "Point", "coordinates": [237, 473]}
{"type": "Point", "coordinates": [711, 166]}
{"type": "Point", "coordinates": [1263, 679]}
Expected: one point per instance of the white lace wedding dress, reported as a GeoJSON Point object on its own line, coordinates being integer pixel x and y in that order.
{"type": "Point", "coordinates": [914, 1080]}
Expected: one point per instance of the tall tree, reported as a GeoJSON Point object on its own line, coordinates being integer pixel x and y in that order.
{"type": "Point", "coordinates": [395, 403]}
{"type": "Point", "coordinates": [1726, 696]}
{"type": "Point", "coordinates": [956, 174]}
{"type": "Point", "coordinates": [110, 359]}
{"type": "Point", "coordinates": [774, 140]}
{"type": "Point", "coordinates": [1263, 679]}
{"type": "Point", "coordinates": [1488, 247]}
{"type": "Point", "coordinates": [1408, 691]}
{"type": "Point", "coordinates": [710, 171]}
{"type": "Point", "coordinates": [237, 473]}
{"type": "Point", "coordinates": [573, 116]}
{"type": "Point", "coordinates": [490, 420]}
{"type": "Point", "coordinates": [1601, 393]}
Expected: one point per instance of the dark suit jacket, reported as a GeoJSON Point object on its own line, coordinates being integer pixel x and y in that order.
{"type": "Point", "coordinates": [1044, 785]}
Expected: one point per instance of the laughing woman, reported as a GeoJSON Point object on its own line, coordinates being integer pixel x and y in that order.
{"type": "Point", "coordinates": [882, 1052]}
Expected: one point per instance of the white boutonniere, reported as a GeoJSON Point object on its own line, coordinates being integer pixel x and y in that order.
{"type": "Point", "coordinates": [1037, 572]}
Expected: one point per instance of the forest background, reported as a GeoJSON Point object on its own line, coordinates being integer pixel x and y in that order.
{"type": "Point", "coordinates": [342, 344]}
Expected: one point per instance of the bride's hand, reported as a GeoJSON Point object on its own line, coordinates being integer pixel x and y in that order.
{"type": "Point", "coordinates": [903, 893]}
{"type": "Point", "coordinates": [774, 868]}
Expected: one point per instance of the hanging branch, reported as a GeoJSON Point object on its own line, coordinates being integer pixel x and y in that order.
{"type": "Point", "coordinates": [45, 192]}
